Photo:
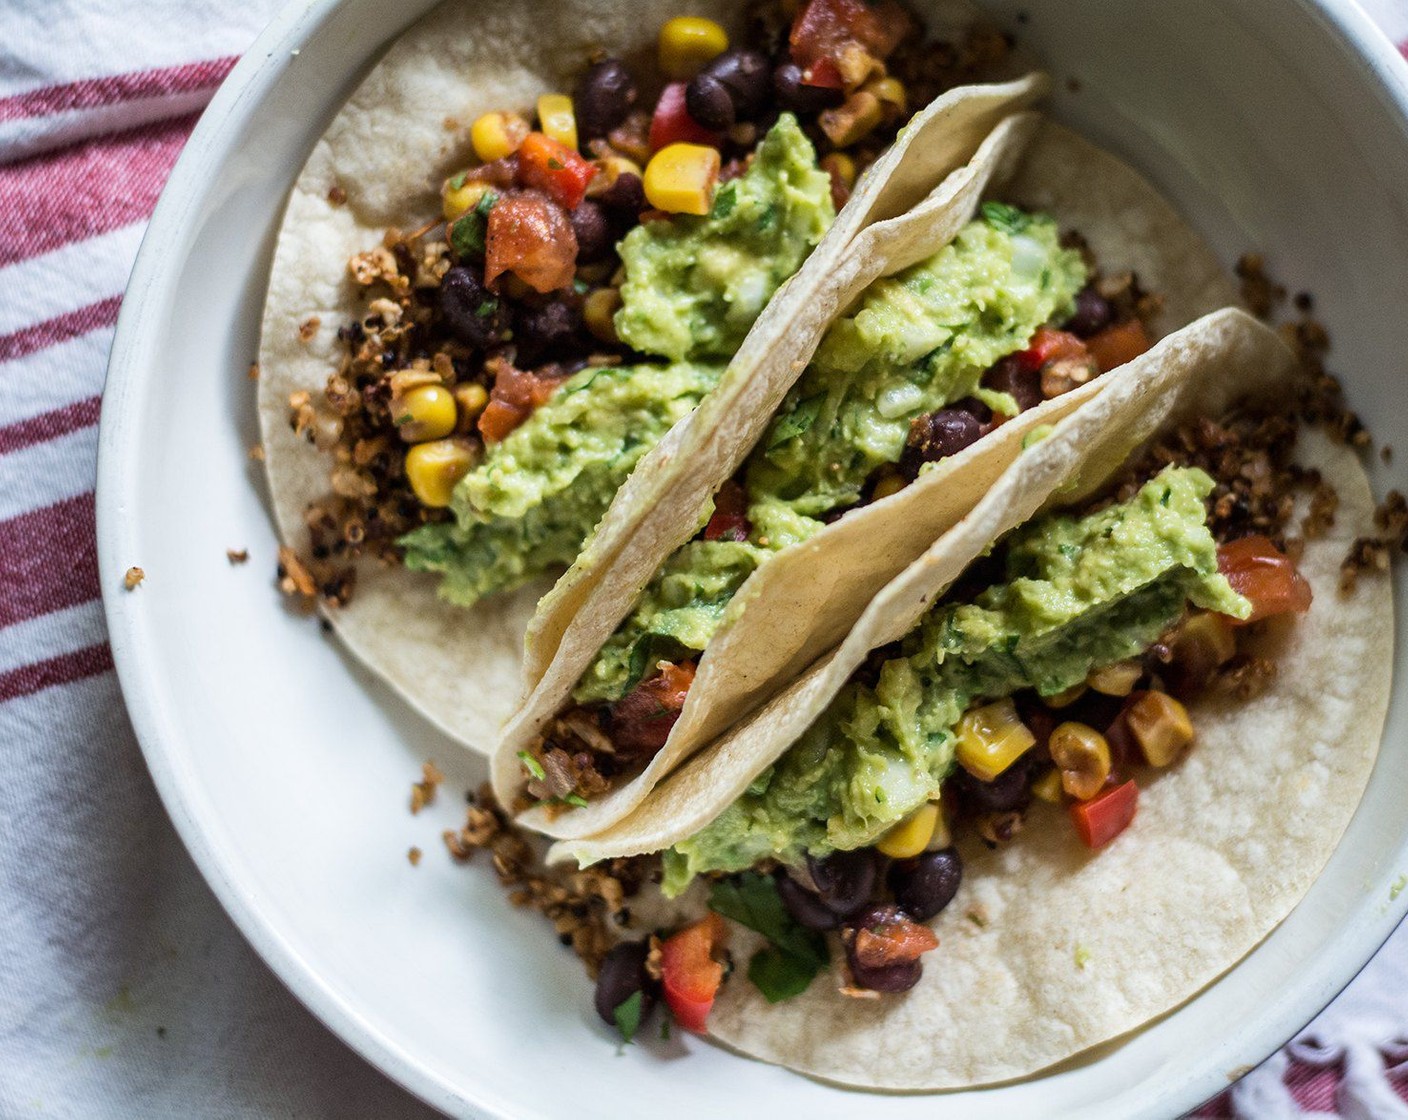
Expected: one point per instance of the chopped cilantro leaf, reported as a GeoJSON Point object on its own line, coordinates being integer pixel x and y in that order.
{"type": "Point", "coordinates": [532, 765]}
{"type": "Point", "coordinates": [1006, 218]}
{"type": "Point", "coordinates": [486, 308]}
{"type": "Point", "coordinates": [467, 232]}
{"type": "Point", "coordinates": [788, 965]}
{"type": "Point", "coordinates": [627, 1016]}
{"type": "Point", "coordinates": [404, 418]}
{"type": "Point", "coordinates": [554, 164]}
{"type": "Point", "coordinates": [576, 799]}
{"type": "Point", "coordinates": [794, 423]}
{"type": "Point", "coordinates": [457, 182]}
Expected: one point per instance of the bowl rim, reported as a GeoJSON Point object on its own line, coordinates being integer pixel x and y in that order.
{"type": "Point", "coordinates": [237, 100]}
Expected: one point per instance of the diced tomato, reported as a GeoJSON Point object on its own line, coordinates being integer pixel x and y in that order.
{"type": "Point", "coordinates": [896, 941]}
{"type": "Point", "coordinates": [689, 973]}
{"type": "Point", "coordinates": [642, 719]}
{"type": "Point", "coordinates": [1106, 815]}
{"type": "Point", "coordinates": [730, 519]}
{"type": "Point", "coordinates": [1118, 344]}
{"type": "Point", "coordinates": [530, 236]}
{"type": "Point", "coordinates": [546, 165]}
{"type": "Point", "coordinates": [1262, 573]}
{"type": "Point", "coordinates": [838, 42]}
{"type": "Point", "coordinates": [1050, 345]}
{"type": "Point", "coordinates": [672, 123]}
{"type": "Point", "coordinates": [516, 393]}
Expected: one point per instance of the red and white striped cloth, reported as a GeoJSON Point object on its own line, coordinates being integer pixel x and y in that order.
{"type": "Point", "coordinates": [124, 989]}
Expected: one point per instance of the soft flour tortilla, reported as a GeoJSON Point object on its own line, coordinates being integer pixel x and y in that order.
{"type": "Point", "coordinates": [1071, 948]}
{"type": "Point", "coordinates": [388, 149]}
{"type": "Point", "coordinates": [802, 601]}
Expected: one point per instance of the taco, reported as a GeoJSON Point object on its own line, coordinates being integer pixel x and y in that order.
{"type": "Point", "coordinates": [916, 399]}
{"type": "Point", "coordinates": [1070, 766]}
{"type": "Point", "coordinates": [480, 318]}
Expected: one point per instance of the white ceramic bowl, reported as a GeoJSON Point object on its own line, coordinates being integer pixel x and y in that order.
{"type": "Point", "coordinates": [1280, 126]}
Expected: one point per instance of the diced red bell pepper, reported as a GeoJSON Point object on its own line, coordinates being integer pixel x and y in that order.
{"type": "Point", "coordinates": [641, 720]}
{"type": "Point", "coordinates": [546, 165]}
{"type": "Point", "coordinates": [730, 519]}
{"type": "Point", "coordinates": [516, 393]}
{"type": "Point", "coordinates": [1262, 573]}
{"type": "Point", "coordinates": [836, 42]}
{"type": "Point", "coordinates": [530, 235]}
{"type": "Point", "coordinates": [1118, 344]}
{"type": "Point", "coordinates": [672, 123]}
{"type": "Point", "coordinates": [1050, 345]}
{"type": "Point", "coordinates": [897, 941]}
{"type": "Point", "coordinates": [689, 973]}
{"type": "Point", "coordinates": [1106, 815]}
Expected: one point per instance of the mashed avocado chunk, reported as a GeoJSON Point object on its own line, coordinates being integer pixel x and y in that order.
{"type": "Point", "coordinates": [532, 502]}
{"type": "Point", "coordinates": [1080, 593]}
{"type": "Point", "coordinates": [915, 342]}
{"type": "Point", "coordinates": [694, 286]}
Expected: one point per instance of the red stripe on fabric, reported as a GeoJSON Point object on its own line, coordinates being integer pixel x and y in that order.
{"type": "Point", "coordinates": [70, 324]}
{"type": "Point", "coordinates": [64, 669]}
{"type": "Point", "coordinates": [91, 93]}
{"type": "Point", "coordinates": [1403, 48]}
{"type": "Point", "coordinates": [48, 560]}
{"type": "Point", "coordinates": [58, 197]}
{"type": "Point", "coordinates": [1313, 1087]}
{"type": "Point", "coordinates": [50, 425]}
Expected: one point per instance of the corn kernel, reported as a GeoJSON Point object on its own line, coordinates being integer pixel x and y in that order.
{"type": "Point", "coordinates": [680, 178]}
{"type": "Point", "coordinates": [890, 92]}
{"type": "Point", "coordinates": [687, 43]}
{"type": "Point", "coordinates": [1118, 679]}
{"type": "Point", "coordinates": [425, 413]}
{"type": "Point", "coordinates": [856, 119]}
{"type": "Point", "coordinates": [891, 483]}
{"type": "Point", "coordinates": [496, 135]}
{"type": "Point", "coordinates": [608, 170]}
{"type": "Point", "coordinates": [911, 835]}
{"type": "Point", "coordinates": [1048, 787]}
{"type": "Point", "coordinates": [557, 119]}
{"type": "Point", "coordinates": [991, 738]}
{"type": "Point", "coordinates": [1083, 756]}
{"type": "Point", "coordinates": [433, 469]}
{"type": "Point", "coordinates": [841, 168]}
{"type": "Point", "coordinates": [1066, 697]}
{"type": "Point", "coordinates": [1161, 727]}
{"type": "Point", "coordinates": [459, 201]}
{"type": "Point", "coordinates": [599, 314]}
{"type": "Point", "coordinates": [470, 397]}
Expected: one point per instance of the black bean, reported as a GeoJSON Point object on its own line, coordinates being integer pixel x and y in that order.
{"type": "Point", "coordinates": [593, 231]}
{"type": "Point", "coordinates": [937, 436]}
{"type": "Point", "coordinates": [844, 880]}
{"type": "Point", "coordinates": [804, 906]}
{"type": "Point", "coordinates": [898, 977]}
{"type": "Point", "coordinates": [792, 93]}
{"type": "Point", "coordinates": [926, 884]}
{"type": "Point", "coordinates": [1010, 376]}
{"type": "Point", "coordinates": [1008, 791]}
{"type": "Point", "coordinates": [886, 978]}
{"type": "Point", "coordinates": [710, 103]}
{"type": "Point", "coordinates": [471, 311]}
{"type": "Point", "coordinates": [541, 331]}
{"type": "Point", "coordinates": [1092, 315]}
{"type": "Point", "coordinates": [626, 196]}
{"type": "Point", "coordinates": [748, 79]}
{"type": "Point", "coordinates": [622, 975]}
{"type": "Point", "coordinates": [603, 97]}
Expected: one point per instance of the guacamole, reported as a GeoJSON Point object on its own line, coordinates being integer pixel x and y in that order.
{"type": "Point", "coordinates": [1080, 593]}
{"type": "Point", "coordinates": [536, 496]}
{"type": "Point", "coordinates": [915, 342]}
{"type": "Point", "coordinates": [694, 286]}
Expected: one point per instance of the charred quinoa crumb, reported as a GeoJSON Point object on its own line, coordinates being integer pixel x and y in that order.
{"type": "Point", "coordinates": [237, 555]}
{"type": "Point", "coordinates": [1259, 292]}
{"type": "Point", "coordinates": [423, 791]}
{"type": "Point", "coordinates": [133, 578]}
{"type": "Point", "coordinates": [584, 906]}
{"type": "Point", "coordinates": [414, 856]}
